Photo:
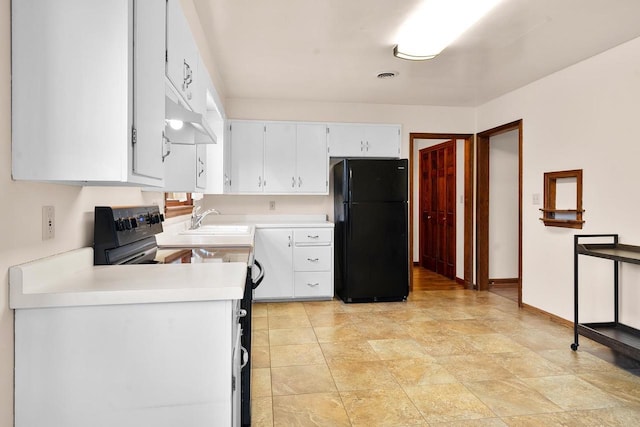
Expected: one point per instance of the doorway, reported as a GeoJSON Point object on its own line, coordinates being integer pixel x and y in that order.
{"type": "Point", "coordinates": [465, 152]}
{"type": "Point", "coordinates": [485, 210]}
{"type": "Point", "coordinates": [437, 213]}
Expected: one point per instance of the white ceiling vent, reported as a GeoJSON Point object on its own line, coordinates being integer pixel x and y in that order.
{"type": "Point", "coordinates": [388, 74]}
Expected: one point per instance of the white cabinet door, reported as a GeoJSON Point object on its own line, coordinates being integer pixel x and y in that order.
{"type": "Point", "coordinates": [201, 166]}
{"type": "Point", "coordinates": [312, 160]}
{"type": "Point", "coordinates": [180, 170]}
{"type": "Point", "coordinates": [247, 157]}
{"type": "Point", "coordinates": [148, 114]}
{"type": "Point", "coordinates": [382, 141]}
{"type": "Point", "coordinates": [226, 166]}
{"type": "Point", "coordinates": [346, 140]}
{"type": "Point", "coordinates": [280, 158]}
{"type": "Point", "coordinates": [182, 52]}
{"type": "Point", "coordinates": [274, 250]}
{"type": "Point", "coordinates": [361, 140]}
{"type": "Point", "coordinates": [75, 104]}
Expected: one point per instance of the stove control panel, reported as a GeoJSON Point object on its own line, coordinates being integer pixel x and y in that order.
{"type": "Point", "coordinates": [118, 226]}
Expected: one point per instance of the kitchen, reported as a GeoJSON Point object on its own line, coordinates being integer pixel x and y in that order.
{"type": "Point", "coordinates": [613, 89]}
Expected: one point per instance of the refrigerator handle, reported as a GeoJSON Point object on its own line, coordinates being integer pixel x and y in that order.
{"type": "Point", "coordinates": [347, 219]}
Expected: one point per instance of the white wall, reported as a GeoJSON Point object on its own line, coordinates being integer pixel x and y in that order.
{"type": "Point", "coordinates": [20, 218]}
{"type": "Point", "coordinates": [503, 205]}
{"type": "Point", "coordinates": [583, 117]}
{"type": "Point", "coordinates": [419, 144]}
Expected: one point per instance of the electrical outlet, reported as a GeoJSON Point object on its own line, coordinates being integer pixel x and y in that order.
{"type": "Point", "coordinates": [272, 205]}
{"type": "Point", "coordinates": [48, 222]}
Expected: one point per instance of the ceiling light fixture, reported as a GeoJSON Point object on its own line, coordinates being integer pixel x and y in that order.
{"type": "Point", "coordinates": [436, 24]}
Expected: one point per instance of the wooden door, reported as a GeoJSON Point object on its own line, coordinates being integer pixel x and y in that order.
{"type": "Point", "coordinates": [437, 205]}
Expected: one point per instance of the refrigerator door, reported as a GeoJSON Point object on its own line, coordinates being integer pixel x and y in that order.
{"type": "Point", "coordinates": [376, 252]}
{"type": "Point", "coordinates": [376, 180]}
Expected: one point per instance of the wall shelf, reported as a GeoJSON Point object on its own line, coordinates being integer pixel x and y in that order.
{"type": "Point", "coordinates": [564, 188]}
{"type": "Point", "coordinates": [619, 337]}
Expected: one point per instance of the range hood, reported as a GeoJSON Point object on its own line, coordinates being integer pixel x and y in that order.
{"type": "Point", "coordinates": [186, 127]}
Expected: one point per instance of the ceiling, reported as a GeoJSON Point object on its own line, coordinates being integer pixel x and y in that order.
{"type": "Point", "coordinates": [332, 50]}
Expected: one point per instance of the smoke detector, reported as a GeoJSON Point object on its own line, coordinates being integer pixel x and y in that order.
{"type": "Point", "coordinates": [387, 74]}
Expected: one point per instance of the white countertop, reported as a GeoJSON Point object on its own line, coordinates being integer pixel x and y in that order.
{"type": "Point", "coordinates": [273, 221]}
{"type": "Point", "coordinates": [167, 240]}
{"type": "Point", "coordinates": [71, 279]}
{"type": "Point", "coordinates": [173, 237]}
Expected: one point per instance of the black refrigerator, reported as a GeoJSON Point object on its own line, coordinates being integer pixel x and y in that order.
{"type": "Point", "coordinates": [371, 232]}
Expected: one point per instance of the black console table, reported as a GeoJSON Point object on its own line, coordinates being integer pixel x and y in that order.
{"type": "Point", "coordinates": [619, 337]}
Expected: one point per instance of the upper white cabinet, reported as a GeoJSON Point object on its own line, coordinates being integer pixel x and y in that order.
{"type": "Point", "coordinates": [88, 80]}
{"type": "Point", "coordinates": [247, 157]}
{"type": "Point", "coordinates": [278, 158]}
{"type": "Point", "coordinates": [183, 61]}
{"type": "Point", "coordinates": [186, 168]}
{"type": "Point", "coordinates": [364, 140]}
{"type": "Point", "coordinates": [312, 161]}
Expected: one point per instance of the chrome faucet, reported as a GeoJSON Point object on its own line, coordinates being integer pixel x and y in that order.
{"type": "Point", "coordinates": [196, 219]}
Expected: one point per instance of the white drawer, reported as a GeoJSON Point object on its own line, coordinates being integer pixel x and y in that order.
{"type": "Point", "coordinates": [312, 258]}
{"type": "Point", "coordinates": [312, 285]}
{"type": "Point", "coordinates": [310, 236]}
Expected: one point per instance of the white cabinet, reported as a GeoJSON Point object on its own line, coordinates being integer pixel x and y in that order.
{"type": "Point", "coordinates": [313, 263]}
{"type": "Point", "coordinates": [182, 58]}
{"type": "Point", "coordinates": [294, 158]}
{"type": "Point", "coordinates": [274, 250]}
{"type": "Point", "coordinates": [279, 157]}
{"type": "Point", "coordinates": [186, 168]}
{"type": "Point", "coordinates": [298, 263]}
{"type": "Point", "coordinates": [247, 157]}
{"type": "Point", "coordinates": [130, 365]}
{"type": "Point", "coordinates": [88, 91]}
{"type": "Point", "coordinates": [359, 140]}
{"type": "Point", "coordinates": [312, 160]}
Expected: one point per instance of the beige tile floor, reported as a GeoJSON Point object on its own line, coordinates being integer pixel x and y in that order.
{"type": "Point", "coordinates": [443, 358]}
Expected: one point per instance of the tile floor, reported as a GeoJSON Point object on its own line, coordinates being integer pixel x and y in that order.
{"type": "Point", "coordinates": [443, 358]}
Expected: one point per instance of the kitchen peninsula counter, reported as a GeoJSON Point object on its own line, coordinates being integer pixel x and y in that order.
{"type": "Point", "coordinates": [71, 279]}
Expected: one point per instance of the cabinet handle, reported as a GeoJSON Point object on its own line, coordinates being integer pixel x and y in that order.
{"type": "Point", "coordinates": [299, 182]}
{"type": "Point", "coordinates": [201, 172]}
{"type": "Point", "coordinates": [242, 312]}
{"type": "Point", "coordinates": [293, 181]}
{"type": "Point", "coordinates": [313, 259]}
{"type": "Point", "coordinates": [312, 237]}
{"type": "Point", "coordinates": [367, 146]}
{"type": "Point", "coordinates": [187, 76]}
{"type": "Point", "coordinates": [259, 181]}
{"type": "Point", "coordinates": [313, 284]}
{"type": "Point", "coordinates": [361, 145]}
{"type": "Point", "coordinates": [167, 144]}
{"type": "Point", "coordinates": [289, 244]}
{"type": "Point", "coordinates": [245, 357]}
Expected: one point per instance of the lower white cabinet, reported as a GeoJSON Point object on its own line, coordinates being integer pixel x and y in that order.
{"type": "Point", "coordinates": [298, 263]}
{"type": "Point", "coordinates": [129, 365]}
{"type": "Point", "coordinates": [274, 250]}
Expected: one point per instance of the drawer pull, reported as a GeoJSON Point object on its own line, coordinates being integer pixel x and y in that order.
{"type": "Point", "coordinates": [313, 285]}
{"type": "Point", "coordinates": [313, 259]}
{"type": "Point", "coordinates": [312, 237]}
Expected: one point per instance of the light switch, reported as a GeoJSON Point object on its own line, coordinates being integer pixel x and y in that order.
{"type": "Point", "coordinates": [536, 198]}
